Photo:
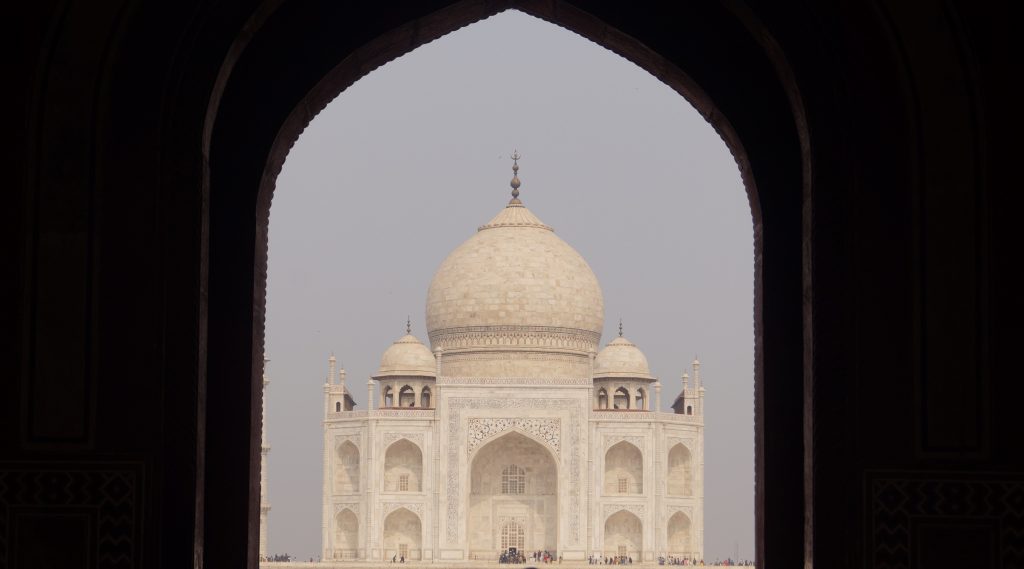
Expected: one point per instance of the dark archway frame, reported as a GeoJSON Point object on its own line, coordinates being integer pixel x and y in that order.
{"type": "Point", "coordinates": [271, 86]}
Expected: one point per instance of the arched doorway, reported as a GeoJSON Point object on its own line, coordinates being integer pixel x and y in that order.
{"type": "Point", "coordinates": [679, 536]}
{"type": "Point", "coordinates": [623, 536]}
{"type": "Point", "coordinates": [403, 535]}
{"type": "Point", "coordinates": [346, 535]}
{"type": "Point", "coordinates": [513, 536]}
{"type": "Point", "coordinates": [513, 484]}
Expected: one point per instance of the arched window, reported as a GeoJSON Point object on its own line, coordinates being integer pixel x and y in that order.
{"type": "Point", "coordinates": [513, 480]}
{"type": "Point", "coordinates": [641, 399]}
{"type": "Point", "coordinates": [689, 410]}
{"type": "Point", "coordinates": [602, 399]}
{"type": "Point", "coordinates": [621, 398]}
{"type": "Point", "coordinates": [389, 396]}
{"type": "Point", "coordinates": [406, 397]}
{"type": "Point", "coordinates": [337, 406]}
{"type": "Point", "coordinates": [512, 535]}
{"type": "Point", "coordinates": [425, 398]}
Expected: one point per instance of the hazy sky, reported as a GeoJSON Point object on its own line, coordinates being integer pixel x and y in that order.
{"type": "Point", "coordinates": [408, 162]}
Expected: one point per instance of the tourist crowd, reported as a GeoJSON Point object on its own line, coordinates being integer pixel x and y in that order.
{"type": "Point", "coordinates": [616, 560]}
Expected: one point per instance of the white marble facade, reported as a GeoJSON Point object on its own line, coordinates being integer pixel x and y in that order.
{"type": "Point", "coordinates": [514, 430]}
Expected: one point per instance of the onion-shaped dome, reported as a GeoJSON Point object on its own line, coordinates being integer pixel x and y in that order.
{"type": "Point", "coordinates": [621, 359]}
{"type": "Point", "coordinates": [515, 283]}
{"type": "Point", "coordinates": [407, 357]}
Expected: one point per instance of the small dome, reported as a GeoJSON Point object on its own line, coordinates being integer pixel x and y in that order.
{"type": "Point", "coordinates": [407, 357]}
{"type": "Point", "coordinates": [621, 358]}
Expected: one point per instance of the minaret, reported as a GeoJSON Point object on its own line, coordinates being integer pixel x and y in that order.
{"type": "Point", "coordinates": [698, 384]}
{"type": "Point", "coordinates": [264, 449]}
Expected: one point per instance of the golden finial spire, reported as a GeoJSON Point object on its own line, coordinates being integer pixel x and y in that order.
{"type": "Point", "coordinates": [408, 325]}
{"type": "Point", "coordinates": [515, 177]}
{"type": "Point", "coordinates": [620, 327]}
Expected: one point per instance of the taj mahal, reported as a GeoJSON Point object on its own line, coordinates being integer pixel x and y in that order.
{"type": "Point", "coordinates": [512, 427]}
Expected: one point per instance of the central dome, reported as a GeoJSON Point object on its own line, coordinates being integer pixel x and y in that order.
{"type": "Point", "coordinates": [515, 286]}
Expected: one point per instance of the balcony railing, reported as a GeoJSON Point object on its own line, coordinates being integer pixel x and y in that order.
{"type": "Point", "coordinates": [632, 415]}
{"type": "Point", "coordinates": [399, 412]}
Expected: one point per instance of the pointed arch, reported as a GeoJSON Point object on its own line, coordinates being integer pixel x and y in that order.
{"type": "Point", "coordinates": [403, 535]}
{"type": "Point", "coordinates": [602, 398]}
{"type": "Point", "coordinates": [403, 467]}
{"type": "Point", "coordinates": [623, 469]}
{"type": "Point", "coordinates": [680, 471]}
{"type": "Point", "coordinates": [678, 536]}
{"type": "Point", "coordinates": [512, 471]}
{"type": "Point", "coordinates": [406, 396]}
{"type": "Point", "coordinates": [621, 398]}
{"type": "Point", "coordinates": [346, 469]}
{"type": "Point", "coordinates": [760, 64]}
{"type": "Point", "coordinates": [346, 534]}
{"type": "Point", "coordinates": [623, 536]}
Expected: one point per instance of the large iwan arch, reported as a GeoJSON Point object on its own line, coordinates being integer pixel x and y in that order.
{"type": "Point", "coordinates": [513, 478]}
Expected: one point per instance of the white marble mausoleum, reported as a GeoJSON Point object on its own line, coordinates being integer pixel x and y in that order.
{"type": "Point", "coordinates": [514, 428]}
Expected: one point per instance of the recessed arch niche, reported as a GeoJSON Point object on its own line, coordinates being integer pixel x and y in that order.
{"type": "Point", "coordinates": [403, 467]}
{"type": "Point", "coordinates": [679, 535]}
{"type": "Point", "coordinates": [513, 478]}
{"type": "Point", "coordinates": [346, 468]}
{"type": "Point", "coordinates": [623, 469]}
{"type": "Point", "coordinates": [680, 471]}
{"type": "Point", "coordinates": [403, 535]}
{"type": "Point", "coordinates": [623, 535]}
{"type": "Point", "coordinates": [346, 535]}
